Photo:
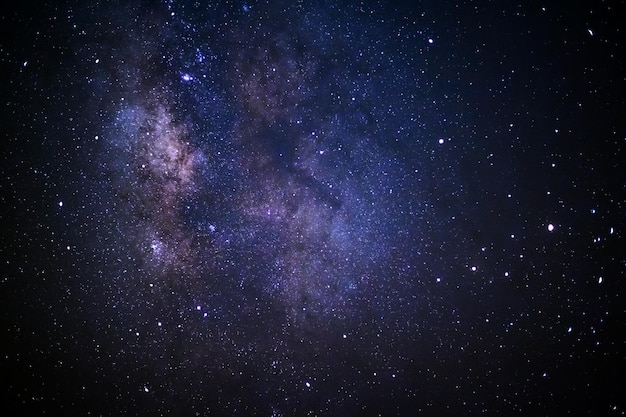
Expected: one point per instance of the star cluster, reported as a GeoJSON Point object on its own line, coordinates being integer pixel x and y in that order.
{"type": "Point", "coordinates": [292, 208]}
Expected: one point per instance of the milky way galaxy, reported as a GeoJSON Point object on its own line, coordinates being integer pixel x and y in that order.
{"type": "Point", "coordinates": [302, 208]}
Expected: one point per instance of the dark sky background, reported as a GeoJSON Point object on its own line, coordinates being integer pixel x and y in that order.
{"type": "Point", "coordinates": [312, 208]}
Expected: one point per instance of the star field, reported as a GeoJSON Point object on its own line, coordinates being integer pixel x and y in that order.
{"type": "Point", "coordinates": [302, 208]}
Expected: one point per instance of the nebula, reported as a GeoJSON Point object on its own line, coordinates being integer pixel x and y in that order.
{"type": "Point", "coordinates": [297, 208]}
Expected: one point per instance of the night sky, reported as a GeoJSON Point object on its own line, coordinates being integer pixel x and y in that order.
{"type": "Point", "coordinates": [331, 208]}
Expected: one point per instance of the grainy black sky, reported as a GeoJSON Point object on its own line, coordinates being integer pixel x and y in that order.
{"type": "Point", "coordinates": [312, 208]}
